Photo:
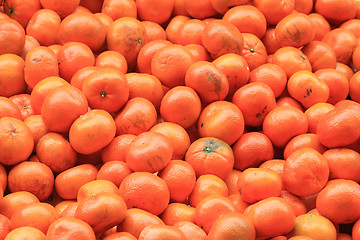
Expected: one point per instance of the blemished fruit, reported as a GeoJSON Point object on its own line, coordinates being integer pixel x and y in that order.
{"type": "Point", "coordinates": [179, 120]}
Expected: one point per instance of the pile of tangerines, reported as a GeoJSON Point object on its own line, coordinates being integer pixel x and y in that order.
{"type": "Point", "coordinates": [179, 120]}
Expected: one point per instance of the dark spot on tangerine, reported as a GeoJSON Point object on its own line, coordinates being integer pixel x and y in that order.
{"type": "Point", "coordinates": [212, 78]}
{"type": "Point", "coordinates": [264, 109]}
{"type": "Point", "coordinates": [36, 60]}
{"type": "Point", "coordinates": [252, 50]}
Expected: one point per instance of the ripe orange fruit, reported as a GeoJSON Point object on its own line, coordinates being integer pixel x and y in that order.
{"type": "Point", "coordinates": [343, 42]}
{"type": "Point", "coordinates": [12, 202]}
{"type": "Point", "coordinates": [272, 75]}
{"type": "Point", "coordinates": [200, 9]}
{"type": "Point", "coordinates": [354, 87]}
{"type": "Point", "coordinates": [112, 59]}
{"type": "Point", "coordinates": [173, 26]}
{"type": "Point", "coordinates": [79, 77]}
{"type": "Point", "coordinates": [232, 182]}
{"type": "Point", "coordinates": [30, 233]}
{"type": "Point", "coordinates": [12, 80]}
{"type": "Point", "coordinates": [72, 57]}
{"type": "Point", "coordinates": [333, 10]}
{"type": "Point", "coordinates": [274, 11]}
{"type": "Point", "coordinates": [265, 213]}
{"type": "Point", "coordinates": [67, 228]}
{"type": "Point", "coordinates": [248, 19]}
{"type": "Point", "coordinates": [113, 171]}
{"type": "Point", "coordinates": [4, 226]}
{"type": "Point", "coordinates": [106, 89]}
{"type": "Point", "coordinates": [320, 24]}
{"type": "Point", "coordinates": [115, 151]}
{"type": "Point", "coordinates": [314, 226]}
{"type": "Point", "coordinates": [17, 141]}
{"type": "Point", "coordinates": [119, 8]}
{"type": "Point", "coordinates": [146, 191]}
{"type": "Point", "coordinates": [342, 163]}
{"type": "Point", "coordinates": [30, 43]}
{"type": "Point", "coordinates": [305, 167]}
{"type": "Point", "coordinates": [137, 116]}
{"type": "Point", "coordinates": [307, 88]}
{"type": "Point", "coordinates": [315, 112]}
{"type": "Point", "coordinates": [12, 37]}
{"type": "Point", "coordinates": [208, 81]}
{"type": "Point", "coordinates": [177, 135]}
{"type": "Point", "coordinates": [211, 208]}
{"type": "Point", "coordinates": [337, 123]}
{"type": "Point", "coordinates": [236, 70]}
{"type": "Point", "coordinates": [190, 32]}
{"type": "Point", "coordinates": [295, 30]}
{"type": "Point", "coordinates": [9, 109]}
{"type": "Point", "coordinates": [181, 105]}
{"type": "Point", "coordinates": [120, 235]}
{"type": "Point", "coordinates": [154, 31]}
{"type": "Point", "coordinates": [120, 37]}
{"type": "Point", "coordinates": [352, 25]}
{"type": "Point", "coordinates": [56, 152]}
{"type": "Point", "coordinates": [145, 86]}
{"type": "Point", "coordinates": [210, 156]}
{"type": "Point", "coordinates": [255, 100]}
{"type": "Point", "coordinates": [320, 55]}
{"type": "Point", "coordinates": [101, 211]}
{"type": "Point", "coordinates": [83, 27]}
{"type": "Point", "coordinates": [136, 220]}
{"type": "Point", "coordinates": [296, 203]}
{"type": "Point", "coordinates": [221, 37]}
{"type": "Point", "coordinates": [337, 82]}
{"type": "Point", "coordinates": [308, 140]}
{"type": "Point", "coordinates": [206, 185]}
{"type": "Point", "coordinates": [42, 89]}
{"type": "Point", "coordinates": [230, 226]}
{"type": "Point", "coordinates": [149, 152]}
{"type": "Point", "coordinates": [92, 131]}
{"type": "Point", "coordinates": [21, 12]}
{"type": "Point", "coordinates": [44, 26]}
{"type": "Point", "coordinates": [214, 121]}
{"type": "Point", "coordinates": [40, 62]}
{"type": "Point", "coordinates": [259, 183]}
{"type": "Point", "coordinates": [68, 182]}
{"type": "Point", "coordinates": [176, 212]}
{"type": "Point", "coordinates": [34, 177]}
{"type": "Point", "coordinates": [62, 106]}
{"type": "Point", "coordinates": [44, 212]}
{"type": "Point", "coordinates": [94, 187]}
{"type": "Point", "coordinates": [161, 232]}
{"type": "Point", "coordinates": [291, 60]}
{"type": "Point", "coordinates": [164, 64]}
{"type": "Point", "coordinates": [251, 150]}
{"type": "Point", "coordinates": [254, 51]}
{"type": "Point", "coordinates": [278, 124]}
{"type": "Point", "coordinates": [191, 230]}
{"type": "Point", "coordinates": [338, 193]}
{"type": "Point", "coordinates": [23, 102]}
{"type": "Point", "coordinates": [146, 54]}
{"type": "Point", "coordinates": [148, 10]}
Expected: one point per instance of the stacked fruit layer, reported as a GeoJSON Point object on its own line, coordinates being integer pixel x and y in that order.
{"type": "Point", "coordinates": [179, 119]}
